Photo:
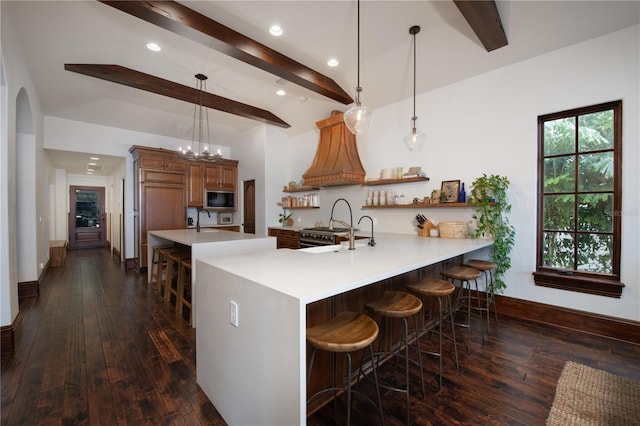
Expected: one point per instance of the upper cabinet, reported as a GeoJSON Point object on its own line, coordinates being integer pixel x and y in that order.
{"type": "Point", "coordinates": [195, 187]}
{"type": "Point", "coordinates": [151, 160]}
{"type": "Point", "coordinates": [221, 175]}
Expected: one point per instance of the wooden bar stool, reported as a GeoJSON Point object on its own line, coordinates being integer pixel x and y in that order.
{"type": "Point", "coordinates": [159, 257]}
{"type": "Point", "coordinates": [400, 305]}
{"type": "Point", "coordinates": [173, 267]}
{"type": "Point", "coordinates": [345, 333]}
{"type": "Point", "coordinates": [440, 289]}
{"type": "Point", "coordinates": [184, 288]}
{"type": "Point", "coordinates": [487, 269]}
{"type": "Point", "coordinates": [465, 276]}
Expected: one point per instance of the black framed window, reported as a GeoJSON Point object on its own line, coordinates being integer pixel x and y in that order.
{"type": "Point", "coordinates": [580, 199]}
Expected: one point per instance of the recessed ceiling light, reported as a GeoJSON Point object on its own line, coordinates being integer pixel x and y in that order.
{"type": "Point", "coordinates": [92, 164]}
{"type": "Point", "coordinates": [333, 62]}
{"type": "Point", "coordinates": [154, 47]}
{"type": "Point", "coordinates": [94, 158]}
{"type": "Point", "coordinates": [276, 30]}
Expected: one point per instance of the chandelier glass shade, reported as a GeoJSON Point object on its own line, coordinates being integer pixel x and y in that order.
{"type": "Point", "coordinates": [358, 117]}
{"type": "Point", "coordinates": [415, 140]}
{"type": "Point", "coordinates": [200, 141]}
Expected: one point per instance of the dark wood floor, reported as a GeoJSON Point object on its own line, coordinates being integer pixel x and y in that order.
{"type": "Point", "coordinates": [100, 347]}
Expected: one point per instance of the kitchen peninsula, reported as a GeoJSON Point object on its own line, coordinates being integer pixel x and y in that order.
{"type": "Point", "coordinates": [254, 371]}
{"type": "Point", "coordinates": [209, 243]}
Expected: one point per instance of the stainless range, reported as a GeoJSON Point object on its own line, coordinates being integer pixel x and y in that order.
{"type": "Point", "coordinates": [321, 236]}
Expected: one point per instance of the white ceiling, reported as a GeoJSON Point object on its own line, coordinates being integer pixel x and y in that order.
{"type": "Point", "coordinates": [53, 33]}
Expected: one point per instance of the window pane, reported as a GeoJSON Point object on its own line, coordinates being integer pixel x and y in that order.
{"type": "Point", "coordinates": [87, 209]}
{"type": "Point", "coordinates": [595, 172]}
{"type": "Point", "coordinates": [595, 131]}
{"type": "Point", "coordinates": [559, 211]}
{"type": "Point", "coordinates": [559, 136]}
{"type": "Point", "coordinates": [558, 250]}
{"type": "Point", "coordinates": [595, 253]}
{"type": "Point", "coordinates": [595, 212]}
{"type": "Point", "coordinates": [559, 174]}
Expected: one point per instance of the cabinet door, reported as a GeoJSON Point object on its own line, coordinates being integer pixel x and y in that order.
{"type": "Point", "coordinates": [162, 207]}
{"type": "Point", "coordinates": [212, 176]}
{"type": "Point", "coordinates": [228, 177]}
{"type": "Point", "coordinates": [175, 165]}
{"type": "Point", "coordinates": [196, 186]}
{"type": "Point", "coordinates": [151, 162]}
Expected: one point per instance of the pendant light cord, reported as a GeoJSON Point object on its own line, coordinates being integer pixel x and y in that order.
{"type": "Point", "coordinates": [414, 80]}
{"type": "Point", "coordinates": [358, 43]}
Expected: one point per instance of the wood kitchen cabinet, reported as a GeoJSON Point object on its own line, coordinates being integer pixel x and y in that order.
{"type": "Point", "coordinates": [195, 185]}
{"type": "Point", "coordinates": [286, 238]}
{"type": "Point", "coordinates": [221, 175]}
{"type": "Point", "coordinates": [160, 196]}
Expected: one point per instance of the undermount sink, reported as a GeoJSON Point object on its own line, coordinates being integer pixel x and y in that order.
{"type": "Point", "coordinates": [344, 246]}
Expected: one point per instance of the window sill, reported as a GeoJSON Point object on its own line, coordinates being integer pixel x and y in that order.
{"type": "Point", "coordinates": [582, 284]}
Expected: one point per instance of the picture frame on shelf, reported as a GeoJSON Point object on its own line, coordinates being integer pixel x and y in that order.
{"type": "Point", "coordinates": [450, 191]}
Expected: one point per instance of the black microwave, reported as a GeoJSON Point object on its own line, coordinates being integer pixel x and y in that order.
{"type": "Point", "coordinates": [219, 200]}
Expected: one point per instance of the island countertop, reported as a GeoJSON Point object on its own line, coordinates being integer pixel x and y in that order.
{"type": "Point", "coordinates": [320, 272]}
{"type": "Point", "coordinates": [190, 236]}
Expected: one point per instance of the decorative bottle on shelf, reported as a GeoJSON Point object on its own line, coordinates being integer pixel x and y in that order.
{"type": "Point", "coordinates": [463, 194]}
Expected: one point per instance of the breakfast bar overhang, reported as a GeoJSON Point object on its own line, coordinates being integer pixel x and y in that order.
{"type": "Point", "coordinates": [254, 372]}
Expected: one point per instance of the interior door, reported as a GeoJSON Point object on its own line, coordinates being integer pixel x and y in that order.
{"type": "Point", "coordinates": [249, 218]}
{"type": "Point", "coordinates": [86, 217]}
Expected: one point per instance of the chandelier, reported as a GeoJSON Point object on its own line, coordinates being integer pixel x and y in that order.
{"type": "Point", "coordinates": [199, 148]}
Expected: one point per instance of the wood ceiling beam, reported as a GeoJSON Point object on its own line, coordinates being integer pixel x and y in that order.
{"type": "Point", "coordinates": [150, 83]}
{"type": "Point", "coordinates": [188, 23]}
{"type": "Point", "coordinates": [484, 19]}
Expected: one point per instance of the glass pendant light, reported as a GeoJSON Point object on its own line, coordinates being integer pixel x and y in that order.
{"type": "Point", "coordinates": [415, 139]}
{"type": "Point", "coordinates": [358, 117]}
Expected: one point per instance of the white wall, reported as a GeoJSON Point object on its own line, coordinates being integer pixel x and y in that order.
{"type": "Point", "coordinates": [488, 124]}
{"type": "Point", "coordinates": [16, 77]}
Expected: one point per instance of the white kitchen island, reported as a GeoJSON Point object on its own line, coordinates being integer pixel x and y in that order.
{"type": "Point", "coordinates": [255, 373]}
{"type": "Point", "coordinates": [208, 243]}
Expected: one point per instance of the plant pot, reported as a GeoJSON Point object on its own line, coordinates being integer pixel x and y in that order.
{"type": "Point", "coordinates": [288, 222]}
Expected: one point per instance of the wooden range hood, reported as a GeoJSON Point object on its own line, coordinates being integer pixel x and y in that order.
{"type": "Point", "coordinates": [337, 161]}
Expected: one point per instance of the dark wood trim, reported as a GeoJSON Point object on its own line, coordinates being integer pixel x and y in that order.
{"type": "Point", "coordinates": [150, 83]}
{"type": "Point", "coordinates": [484, 19]}
{"type": "Point", "coordinates": [28, 289]}
{"type": "Point", "coordinates": [132, 264]}
{"type": "Point", "coordinates": [188, 23]}
{"type": "Point", "coordinates": [8, 336]}
{"type": "Point", "coordinates": [582, 284]}
{"type": "Point", "coordinates": [570, 319]}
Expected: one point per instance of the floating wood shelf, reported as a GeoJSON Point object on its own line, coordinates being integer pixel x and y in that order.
{"type": "Point", "coordinates": [302, 189]}
{"type": "Point", "coordinates": [422, 206]}
{"type": "Point", "coordinates": [301, 208]}
{"type": "Point", "coordinates": [395, 181]}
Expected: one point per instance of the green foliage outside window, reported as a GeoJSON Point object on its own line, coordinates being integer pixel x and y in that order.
{"type": "Point", "coordinates": [578, 191]}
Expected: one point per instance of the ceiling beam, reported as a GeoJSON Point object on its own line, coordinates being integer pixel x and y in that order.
{"type": "Point", "coordinates": [150, 83]}
{"type": "Point", "coordinates": [188, 23]}
{"type": "Point", "coordinates": [484, 19]}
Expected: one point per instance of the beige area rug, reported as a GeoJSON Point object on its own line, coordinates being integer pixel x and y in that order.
{"type": "Point", "coordinates": [587, 396]}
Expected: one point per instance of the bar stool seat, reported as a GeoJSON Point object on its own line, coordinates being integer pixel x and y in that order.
{"type": "Point", "coordinates": [487, 268]}
{"type": "Point", "coordinates": [184, 289]}
{"type": "Point", "coordinates": [465, 275]}
{"type": "Point", "coordinates": [434, 287]}
{"type": "Point", "coordinates": [399, 305]}
{"type": "Point", "coordinates": [159, 258]}
{"type": "Point", "coordinates": [345, 333]}
{"type": "Point", "coordinates": [173, 267]}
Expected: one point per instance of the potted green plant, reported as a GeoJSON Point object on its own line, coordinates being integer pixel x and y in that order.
{"type": "Point", "coordinates": [489, 196]}
{"type": "Point", "coordinates": [285, 218]}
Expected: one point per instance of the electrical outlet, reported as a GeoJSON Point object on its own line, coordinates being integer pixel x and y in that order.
{"type": "Point", "coordinates": [233, 313]}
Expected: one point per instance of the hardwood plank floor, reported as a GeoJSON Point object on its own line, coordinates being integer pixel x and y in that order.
{"type": "Point", "coordinates": [100, 347]}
